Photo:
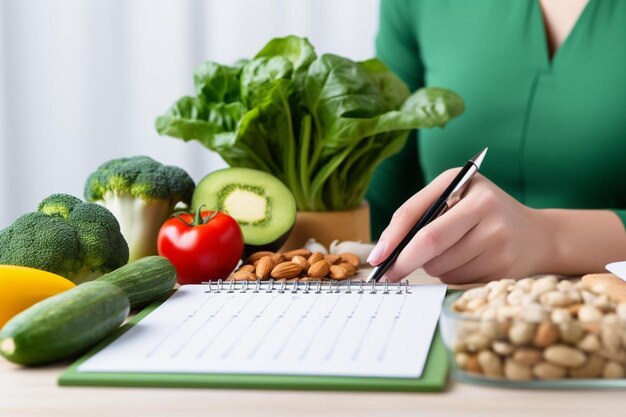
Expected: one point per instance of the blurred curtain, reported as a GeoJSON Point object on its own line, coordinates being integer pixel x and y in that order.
{"type": "Point", "coordinates": [81, 81]}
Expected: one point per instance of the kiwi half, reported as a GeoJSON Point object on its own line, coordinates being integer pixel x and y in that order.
{"type": "Point", "coordinates": [262, 205]}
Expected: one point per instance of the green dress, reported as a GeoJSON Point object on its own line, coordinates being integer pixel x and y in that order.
{"type": "Point", "coordinates": [555, 128]}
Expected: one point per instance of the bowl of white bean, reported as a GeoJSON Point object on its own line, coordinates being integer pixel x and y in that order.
{"type": "Point", "coordinates": [536, 332]}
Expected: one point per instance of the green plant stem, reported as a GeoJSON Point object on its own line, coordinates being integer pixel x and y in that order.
{"type": "Point", "coordinates": [305, 142]}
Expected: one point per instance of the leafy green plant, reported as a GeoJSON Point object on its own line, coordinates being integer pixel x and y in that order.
{"type": "Point", "coordinates": [319, 124]}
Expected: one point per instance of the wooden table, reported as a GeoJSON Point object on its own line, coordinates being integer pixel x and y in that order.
{"type": "Point", "coordinates": [34, 392]}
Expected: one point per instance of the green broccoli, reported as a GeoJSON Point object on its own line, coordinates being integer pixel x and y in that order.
{"type": "Point", "coordinates": [67, 236]}
{"type": "Point", "coordinates": [142, 193]}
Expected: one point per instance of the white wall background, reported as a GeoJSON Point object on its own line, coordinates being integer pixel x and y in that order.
{"type": "Point", "coordinates": [81, 81]}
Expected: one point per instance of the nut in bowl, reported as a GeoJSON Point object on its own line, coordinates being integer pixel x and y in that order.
{"type": "Point", "coordinates": [536, 332]}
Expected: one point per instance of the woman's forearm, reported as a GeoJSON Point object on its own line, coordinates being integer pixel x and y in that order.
{"type": "Point", "coordinates": [581, 241]}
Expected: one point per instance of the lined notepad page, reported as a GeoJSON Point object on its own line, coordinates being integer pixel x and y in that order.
{"type": "Point", "coordinates": [337, 334]}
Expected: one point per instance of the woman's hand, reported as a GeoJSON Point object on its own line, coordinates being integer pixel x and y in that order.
{"type": "Point", "coordinates": [486, 235]}
{"type": "Point", "coordinates": [489, 235]}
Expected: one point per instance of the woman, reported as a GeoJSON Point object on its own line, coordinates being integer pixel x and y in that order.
{"type": "Point", "coordinates": [544, 84]}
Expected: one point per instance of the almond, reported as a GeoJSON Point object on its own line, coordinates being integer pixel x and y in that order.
{"type": "Point", "coordinates": [244, 276]}
{"type": "Point", "coordinates": [333, 259]}
{"type": "Point", "coordinates": [338, 272]}
{"type": "Point", "coordinates": [297, 252]}
{"type": "Point", "coordinates": [248, 267]}
{"type": "Point", "coordinates": [300, 260]}
{"type": "Point", "coordinates": [257, 255]}
{"type": "Point", "coordinates": [350, 269]}
{"type": "Point", "coordinates": [264, 267]}
{"type": "Point", "coordinates": [351, 258]}
{"type": "Point", "coordinates": [316, 257]}
{"type": "Point", "coordinates": [278, 259]}
{"type": "Point", "coordinates": [286, 270]}
{"type": "Point", "coordinates": [319, 269]}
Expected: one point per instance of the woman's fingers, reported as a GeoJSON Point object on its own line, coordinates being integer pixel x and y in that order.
{"type": "Point", "coordinates": [438, 238]}
{"type": "Point", "coordinates": [478, 269]}
{"type": "Point", "coordinates": [466, 249]}
{"type": "Point", "coordinates": [407, 215]}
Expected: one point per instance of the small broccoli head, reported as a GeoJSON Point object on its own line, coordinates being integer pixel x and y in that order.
{"type": "Point", "coordinates": [67, 236]}
{"type": "Point", "coordinates": [142, 177]}
{"type": "Point", "coordinates": [102, 245]}
{"type": "Point", "coordinates": [142, 193]}
{"type": "Point", "coordinates": [59, 204]}
{"type": "Point", "coordinates": [43, 242]}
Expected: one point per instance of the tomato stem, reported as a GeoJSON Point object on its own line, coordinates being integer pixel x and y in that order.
{"type": "Point", "coordinates": [199, 220]}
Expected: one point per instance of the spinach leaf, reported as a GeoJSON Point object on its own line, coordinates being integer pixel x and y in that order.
{"type": "Point", "coordinates": [217, 83]}
{"type": "Point", "coordinates": [193, 118]}
{"type": "Point", "coordinates": [391, 88]}
{"type": "Point", "coordinates": [298, 51]}
{"type": "Point", "coordinates": [319, 124]}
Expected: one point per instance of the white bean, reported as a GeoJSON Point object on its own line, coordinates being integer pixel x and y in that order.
{"type": "Point", "coordinates": [517, 372]}
{"type": "Point", "coordinates": [533, 313]}
{"type": "Point", "coordinates": [589, 314]}
{"type": "Point", "coordinates": [476, 342]}
{"type": "Point", "coordinates": [524, 284]}
{"type": "Point", "coordinates": [490, 363]}
{"type": "Point", "coordinates": [589, 343]}
{"type": "Point", "coordinates": [461, 359]}
{"type": "Point", "coordinates": [547, 370]}
{"type": "Point", "coordinates": [527, 356]}
{"type": "Point", "coordinates": [563, 355]}
{"type": "Point", "coordinates": [543, 285]}
{"type": "Point", "coordinates": [555, 299]}
{"type": "Point", "coordinates": [560, 315]}
{"type": "Point", "coordinates": [476, 303]}
{"type": "Point", "coordinates": [521, 333]}
{"type": "Point", "coordinates": [515, 297]}
{"type": "Point", "coordinates": [571, 332]}
{"type": "Point", "coordinates": [478, 292]}
{"type": "Point", "coordinates": [502, 348]}
{"type": "Point", "coordinates": [565, 285]}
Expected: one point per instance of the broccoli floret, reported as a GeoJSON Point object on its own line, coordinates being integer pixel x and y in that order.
{"type": "Point", "coordinates": [142, 193]}
{"type": "Point", "coordinates": [67, 236]}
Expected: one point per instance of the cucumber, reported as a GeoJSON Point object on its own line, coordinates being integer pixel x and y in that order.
{"type": "Point", "coordinates": [64, 325]}
{"type": "Point", "coordinates": [144, 280]}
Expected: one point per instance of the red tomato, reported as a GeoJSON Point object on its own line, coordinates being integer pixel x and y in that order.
{"type": "Point", "coordinates": [207, 248]}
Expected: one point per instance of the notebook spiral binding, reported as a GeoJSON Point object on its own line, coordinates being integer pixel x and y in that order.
{"type": "Point", "coordinates": [315, 287]}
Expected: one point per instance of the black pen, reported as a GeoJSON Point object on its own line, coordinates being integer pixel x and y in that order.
{"type": "Point", "coordinates": [450, 197]}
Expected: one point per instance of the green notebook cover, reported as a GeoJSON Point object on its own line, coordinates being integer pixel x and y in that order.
{"type": "Point", "coordinates": [433, 378]}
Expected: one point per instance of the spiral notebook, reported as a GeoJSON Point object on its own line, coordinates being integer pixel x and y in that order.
{"type": "Point", "coordinates": [270, 335]}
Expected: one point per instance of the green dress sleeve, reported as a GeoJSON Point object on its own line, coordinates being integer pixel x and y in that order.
{"type": "Point", "coordinates": [399, 176]}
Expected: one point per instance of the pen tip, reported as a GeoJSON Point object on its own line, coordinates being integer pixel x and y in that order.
{"type": "Point", "coordinates": [478, 158]}
{"type": "Point", "coordinates": [371, 275]}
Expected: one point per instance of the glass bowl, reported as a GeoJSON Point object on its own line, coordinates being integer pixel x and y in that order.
{"type": "Point", "coordinates": [543, 354]}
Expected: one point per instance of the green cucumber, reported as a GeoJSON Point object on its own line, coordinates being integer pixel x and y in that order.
{"type": "Point", "coordinates": [64, 325]}
{"type": "Point", "coordinates": [144, 280]}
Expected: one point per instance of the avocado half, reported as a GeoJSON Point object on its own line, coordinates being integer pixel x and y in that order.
{"type": "Point", "coordinates": [262, 205]}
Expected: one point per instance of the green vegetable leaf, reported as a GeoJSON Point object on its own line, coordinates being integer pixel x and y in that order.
{"type": "Point", "coordinates": [391, 88]}
{"type": "Point", "coordinates": [260, 71]}
{"type": "Point", "coordinates": [192, 118]}
{"type": "Point", "coordinates": [298, 51]}
{"type": "Point", "coordinates": [217, 83]}
{"type": "Point", "coordinates": [319, 124]}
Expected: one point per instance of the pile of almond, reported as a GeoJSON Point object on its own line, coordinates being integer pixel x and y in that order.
{"type": "Point", "coordinates": [297, 265]}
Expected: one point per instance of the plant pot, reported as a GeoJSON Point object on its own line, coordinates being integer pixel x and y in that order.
{"type": "Point", "coordinates": [326, 226]}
